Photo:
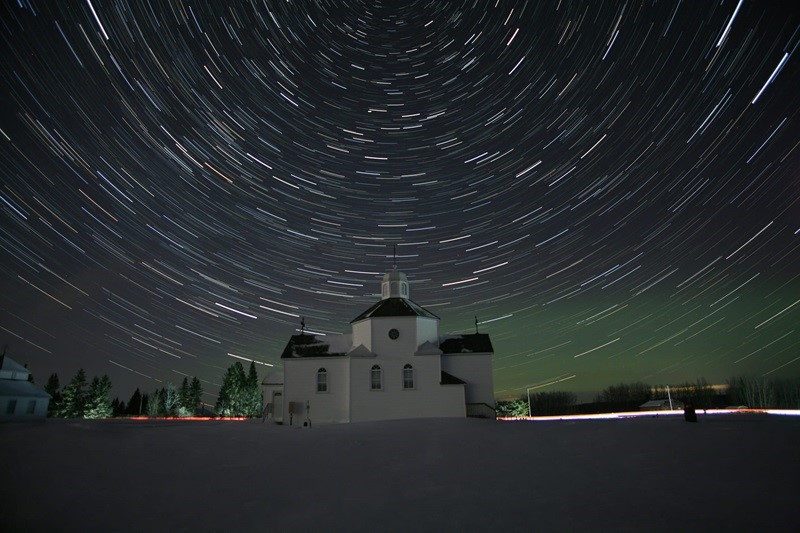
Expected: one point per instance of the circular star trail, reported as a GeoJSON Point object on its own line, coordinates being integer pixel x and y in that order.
{"type": "Point", "coordinates": [611, 188]}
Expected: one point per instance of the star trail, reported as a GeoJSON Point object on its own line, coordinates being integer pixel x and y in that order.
{"type": "Point", "coordinates": [612, 188]}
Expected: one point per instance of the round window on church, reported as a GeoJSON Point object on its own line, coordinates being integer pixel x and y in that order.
{"type": "Point", "coordinates": [393, 334]}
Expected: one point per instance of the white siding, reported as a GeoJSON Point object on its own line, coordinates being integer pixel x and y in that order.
{"type": "Point", "coordinates": [427, 399]}
{"type": "Point", "coordinates": [476, 370]}
{"type": "Point", "coordinates": [362, 334]}
{"type": "Point", "coordinates": [406, 343]}
{"type": "Point", "coordinates": [275, 403]}
{"type": "Point", "coordinates": [427, 330]}
{"type": "Point", "coordinates": [300, 386]}
{"type": "Point", "coordinates": [21, 409]}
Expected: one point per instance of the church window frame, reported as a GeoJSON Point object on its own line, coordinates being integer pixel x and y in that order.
{"type": "Point", "coordinates": [376, 378]}
{"type": "Point", "coordinates": [408, 377]}
{"type": "Point", "coordinates": [322, 380]}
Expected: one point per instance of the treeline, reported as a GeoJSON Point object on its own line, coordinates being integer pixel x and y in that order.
{"type": "Point", "coordinates": [79, 398]}
{"type": "Point", "coordinates": [182, 401]}
{"type": "Point", "coordinates": [765, 393]}
{"type": "Point", "coordinates": [746, 391]}
{"type": "Point", "coordinates": [239, 396]}
{"type": "Point", "coordinates": [541, 404]}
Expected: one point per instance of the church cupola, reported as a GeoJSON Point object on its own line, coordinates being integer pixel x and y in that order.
{"type": "Point", "coordinates": [394, 285]}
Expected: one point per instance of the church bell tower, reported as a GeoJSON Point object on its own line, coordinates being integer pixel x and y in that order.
{"type": "Point", "coordinates": [394, 285]}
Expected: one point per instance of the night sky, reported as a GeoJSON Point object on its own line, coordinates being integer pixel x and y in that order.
{"type": "Point", "coordinates": [611, 188]}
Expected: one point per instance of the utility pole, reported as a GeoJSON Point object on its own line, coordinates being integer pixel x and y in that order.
{"type": "Point", "coordinates": [529, 400]}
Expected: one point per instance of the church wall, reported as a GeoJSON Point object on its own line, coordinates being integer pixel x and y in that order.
{"type": "Point", "coordinates": [476, 370]}
{"type": "Point", "coordinates": [427, 399]}
{"type": "Point", "coordinates": [21, 405]}
{"type": "Point", "coordinates": [271, 400]}
{"type": "Point", "coordinates": [427, 330]}
{"type": "Point", "coordinates": [300, 386]}
{"type": "Point", "coordinates": [406, 343]}
{"type": "Point", "coordinates": [362, 334]}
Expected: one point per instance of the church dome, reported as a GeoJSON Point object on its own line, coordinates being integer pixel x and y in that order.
{"type": "Point", "coordinates": [394, 285]}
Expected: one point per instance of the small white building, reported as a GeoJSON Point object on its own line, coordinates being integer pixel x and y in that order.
{"type": "Point", "coordinates": [19, 398]}
{"type": "Point", "coordinates": [394, 364]}
{"type": "Point", "coordinates": [659, 405]}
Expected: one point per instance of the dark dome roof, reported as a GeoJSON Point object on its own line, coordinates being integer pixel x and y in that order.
{"type": "Point", "coordinates": [394, 307]}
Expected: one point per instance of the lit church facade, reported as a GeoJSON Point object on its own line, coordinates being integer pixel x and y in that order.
{"type": "Point", "coordinates": [394, 364]}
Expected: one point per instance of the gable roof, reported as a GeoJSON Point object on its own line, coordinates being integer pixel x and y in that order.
{"type": "Point", "coordinates": [6, 363]}
{"type": "Point", "coordinates": [360, 351]}
{"type": "Point", "coordinates": [428, 348]}
{"type": "Point", "coordinates": [21, 389]}
{"type": "Point", "coordinates": [308, 346]}
{"type": "Point", "coordinates": [450, 379]}
{"type": "Point", "coordinates": [472, 343]}
{"type": "Point", "coordinates": [273, 378]}
{"type": "Point", "coordinates": [394, 307]}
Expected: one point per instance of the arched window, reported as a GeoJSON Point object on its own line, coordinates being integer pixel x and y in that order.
{"type": "Point", "coordinates": [408, 377]}
{"type": "Point", "coordinates": [322, 380]}
{"type": "Point", "coordinates": [376, 378]}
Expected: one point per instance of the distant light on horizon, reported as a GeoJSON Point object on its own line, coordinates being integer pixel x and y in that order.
{"type": "Point", "coordinates": [652, 414]}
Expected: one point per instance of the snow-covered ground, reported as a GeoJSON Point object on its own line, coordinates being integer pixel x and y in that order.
{"type": "Point", "coordinates": [733, 472]}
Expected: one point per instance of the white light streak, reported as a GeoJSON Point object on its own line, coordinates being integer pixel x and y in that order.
{"type": "Point", "coordinates": [777, 314]}
{"type": "Point", "coordinates": [512, 37]}
{"type": "Point", "coordinates": [231, 309]}
{"type": "Point", "coordinates": [730, 23]}
{"type": "Point", "coordinates": [596, 348]}
{"type": "Point", "coordinates": [515, 66]}
{"type": "Point", "coordinates": [748, 242]}
{"type": "Point", "coordinates": [459, 282]}
{"type": "Point", "coordinates": [773, 76]}
{"type": "Point", "coordinates": [248, 359]}
{"type": "Point", "coordinates": [97, 19]}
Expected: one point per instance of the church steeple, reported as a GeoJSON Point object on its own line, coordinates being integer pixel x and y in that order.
{"type": "Point", "coordinates": [394, 285]}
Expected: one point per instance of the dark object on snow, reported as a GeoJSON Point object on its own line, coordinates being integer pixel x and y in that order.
{"type": "Point", "coordinates": [688, 412]}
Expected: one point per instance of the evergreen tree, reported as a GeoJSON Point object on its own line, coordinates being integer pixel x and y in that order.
{"type": "Point", "coordinates": [52, 389]}
{"type": "Point", "coordinates": [145, 403]}
{"type": "Point", "coordinates": [232, 396]}
{"type": "Point", "coordinates": [512, 407]}
{"type": "Point", "coordinates": [73, 397]}
{"type": "Point", "coordinates": [184, 399]}
{"type": "Point", "coordinates": [154, 404]}
{"type": "Point", "coordinates": [136, 404]}
{"type": "Point", "coordinates": [117, 407]}
{"type": "Point", "coordinates": [195, 395]}
{"type": "Point", "coordinates": [224, 402]}
{"type": "Point", "coordinates": [97, 404]}
{"type": "Point", "coordinates": [255, 399]}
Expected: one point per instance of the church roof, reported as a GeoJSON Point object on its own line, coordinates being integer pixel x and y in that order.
{"type": "Point", "coordinates": [394, 307]}
{"type": "Point", "coordinates": [6, 363]}
{"type": "Point", "coordinates": [273, 378]}
{"type": "Point", "coordinates": [308, 346]}
{"type": "Point", "coordinates": [472, 343]}
{"type": "Point", "coordinates": [21, 389]}
{"type": "Point", "coordinates": [450, 379]}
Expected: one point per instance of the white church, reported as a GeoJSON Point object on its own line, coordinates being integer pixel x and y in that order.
{"type": "Point", "coordinates": [393, 365]}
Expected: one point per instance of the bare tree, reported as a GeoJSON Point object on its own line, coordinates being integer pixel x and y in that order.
{"type": "Point", "coordinates": [171, 399]}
